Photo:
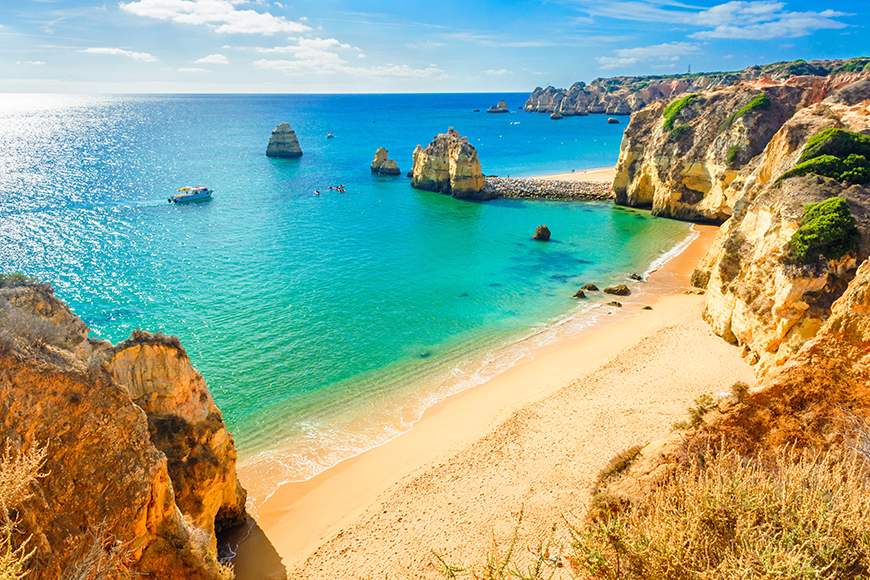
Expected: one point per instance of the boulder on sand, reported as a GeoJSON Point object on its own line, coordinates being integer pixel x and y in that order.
{"type": "Point", "coordinates": [620, 290]}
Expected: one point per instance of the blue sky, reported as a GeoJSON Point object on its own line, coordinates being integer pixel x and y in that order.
{"type": "Point", "coordinates": [402, 46]}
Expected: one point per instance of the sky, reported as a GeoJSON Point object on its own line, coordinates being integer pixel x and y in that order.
{"type": "Point", "coordinates": [398, 46]}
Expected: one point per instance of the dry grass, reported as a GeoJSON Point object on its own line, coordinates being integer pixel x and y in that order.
{"type": "Point", "coordinates": [104, 557]}
{"type": "Point", "coordinates": [802, 516]}
{"type": "Point", "coordinates": [18, 472]}
{"type": "Point", "coordinates": [699, 408]}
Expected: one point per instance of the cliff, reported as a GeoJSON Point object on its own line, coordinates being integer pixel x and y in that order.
{"type": "Point", "coordinates": [382, 165]}
{"type": "Point", "coordinates": [283, 143]}
{"type": "Point", "coordinates": [449, 165]}
{"type": "Point", "coordinates": [626, 95]}
{"type": "Point", "coordinates": [138, 455]}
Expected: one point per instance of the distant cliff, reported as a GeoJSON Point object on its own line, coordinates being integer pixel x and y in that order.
{"type": "Point", "coordinates": [626, 95]}
{"type": "Point", "coordinates": [138, 457]}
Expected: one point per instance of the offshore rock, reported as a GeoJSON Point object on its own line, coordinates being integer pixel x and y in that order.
{"type": "Point", "coordinates": [384, 166]}
{"type": "Point", "coordinates": [620, 290]}
{"type": "Point", "coordinates": [283, 143]}
{"type": "Point", "coordinates": [579, 294]}
{"type": "Point", "coordinates": [104, 466]}
{"type": "Point", "coordinates": [501, 107]}
{"type": "Point", "coordinates": [449, 165]}
{"type": "Point", "coordinates": [590, 288]}
{"type": "Point", "coordinates": [542, 234]}
{"type": "Point", "coordinates": [612, 121]}
{"type": "Point", "coordinates": [556, 116]}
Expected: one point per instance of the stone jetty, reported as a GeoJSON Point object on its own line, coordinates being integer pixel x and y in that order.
{"type": "Point", "coordinates": [529, 188]}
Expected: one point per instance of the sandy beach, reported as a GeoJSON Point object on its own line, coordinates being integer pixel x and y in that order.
{"type": "Point", "coordinates": [601, 174]}
{"type": "Point", "coordinates": [531, 439]}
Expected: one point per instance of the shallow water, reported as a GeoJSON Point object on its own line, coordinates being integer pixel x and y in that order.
{"type": "Point", "coordinates": [323, 324]}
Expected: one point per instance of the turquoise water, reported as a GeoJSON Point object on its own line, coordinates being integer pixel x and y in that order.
{"type": "Point", "coordinates": [325, 324]}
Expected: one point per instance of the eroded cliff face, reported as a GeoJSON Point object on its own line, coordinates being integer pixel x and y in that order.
{"type": "Point", "coordinates": [449, 165]}
{"type": "Point", "coordinates": [755, 297]}
{"type": "Point", "coordinates": [106, 465]}
{"type": "Point", "coordinates": [696, 169]}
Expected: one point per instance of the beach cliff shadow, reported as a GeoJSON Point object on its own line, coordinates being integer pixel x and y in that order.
{"type": "Point", "coordinates": [253, 555]}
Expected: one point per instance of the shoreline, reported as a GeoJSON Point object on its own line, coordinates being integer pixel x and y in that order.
{"type": "Point", "coordinates": [301, 516]}
{"type": "Point", "coordinates": [597, 174]}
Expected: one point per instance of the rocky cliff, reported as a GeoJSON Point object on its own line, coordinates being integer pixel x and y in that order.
{"type": "Point", "coordinates": [626, 95]}
{"type": "Point", "coordinates": [283, 143]}
{"type": "Point", "coordinates": [138, 455]}
{"type": "Point", "coordinates": [449, 165]}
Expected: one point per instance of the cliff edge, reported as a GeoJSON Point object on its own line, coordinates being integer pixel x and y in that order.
{"type": "Point", "coordinates": [138, 456]}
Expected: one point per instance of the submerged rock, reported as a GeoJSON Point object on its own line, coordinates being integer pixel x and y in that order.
{"type": "Point", "coordinates": [384, 166]}
{"type": "Point", "coordinates": [542, 234]}
{"type": "Point", "coordinates": [619, 290]}
{"type": "Point", "coordinates": [449, 165]}
{"type": "Point", "coordinates": [579, 294]}
{"type": "Point", "coordinates": [283, 143]}
{"type": "Point", "coordinates": [636, 277]}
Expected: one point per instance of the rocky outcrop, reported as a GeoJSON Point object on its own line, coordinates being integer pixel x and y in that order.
{"type": "Point", "coordinates": [619, 290]}
{"type": "Point", "coordinates": [382, 165]}
{"type": "Point", "coordinates": [501, 107]}
{"type": "Point", "coordinates": [283, 143]}
{"type": "Point", "coordinates": [612, 121]}
{"type": "Point", "coordinates": [755, 296]}
{"type": "Point", "coordinates": [542, 234]}
{"type": "Point", "coordinates": [449, 165]}
{"type": "Point", "coordinates": [112, 465]}
{"type": "Point", "coordinates": [626, 95]}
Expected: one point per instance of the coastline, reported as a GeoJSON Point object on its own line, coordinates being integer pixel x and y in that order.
{"type": "Point", "coordinates": [297, 522]}
{"type": "Point", "coordinates": [597, 175]}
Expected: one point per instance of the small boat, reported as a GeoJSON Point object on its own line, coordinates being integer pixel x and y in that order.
{"type": "Point", "coordinates": [191, 194]}
{"type": "Point", "coordinates": [329, 135]}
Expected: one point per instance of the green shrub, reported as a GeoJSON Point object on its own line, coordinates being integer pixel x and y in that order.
{"type": "Point", "coordinates": [836, 142]}
{"type": "Point", "coordinates": [679, 131]}
{"type": "Point", "coordinates": [671, 111]}
{"type": "Point", "coordinates": [702, 404]}
{"type": "Point", "coordinates": [854, 169]}
{"type": "Point", "coordinates": [827, 229]}
{"type": "Point", "coordinates": [758, 103]}
{"type": "Point", "coordinates": [732, 154]}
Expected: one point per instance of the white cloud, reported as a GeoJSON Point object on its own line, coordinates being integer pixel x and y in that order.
{"type": "Point", "coordinates": [143, 56]}
{"type": "Point", "coordinates": [220, 15]}
{"type": "Point", "coordinates": [669, 51]}
{"type": "Point", "coordinates": [213, 59]}
{"type": "Point", "coordinates": [752, 19]}
{"type": "Point", "coordinates": [498, 72]}
{"type": "Point", "coordinates": [34, 62]}
{"type": "Point", "coordinates": [333, 64]}
{"type": "Point", "coordinates": [192, 70]}
{"type": "Point", "coordinates": [404, 71]}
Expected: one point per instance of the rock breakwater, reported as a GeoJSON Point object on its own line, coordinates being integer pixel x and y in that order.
{"type": "Point", "coordinates": [530, 188]}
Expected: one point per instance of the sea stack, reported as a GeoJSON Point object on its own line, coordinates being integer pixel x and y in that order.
{"type": "Point", "coordinates": [501, 107]}
{"type": "Point", "coordinates": [449, 165]}
{"type": "Point", "coordinates": [283, 143]}
{"type": "Point", "coordinates": [384, 166]}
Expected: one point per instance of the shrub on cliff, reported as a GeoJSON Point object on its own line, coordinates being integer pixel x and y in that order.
{"type": "Point", "coordinates": [671, 111]}
{"type": "Point", "coordinates": [853, 169]}
{"type": "Point", "coordinates": [758, 103]}
{"type": "Point", "coordinates": [827, 229]}
{"type": "Point", "coordinates": [837, 142]}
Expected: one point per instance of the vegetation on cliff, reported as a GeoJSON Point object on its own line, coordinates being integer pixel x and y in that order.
{"type": "Point", "coordinates": [758, 103]}
{"type": "Point", "coordinates": [671, 111]}
{"type": "Point", "coordinates": [836, 142]}
{"type": "Point", "coordinates": [835, 153]}
{"type": "Point", "coordinates": [827, 229]}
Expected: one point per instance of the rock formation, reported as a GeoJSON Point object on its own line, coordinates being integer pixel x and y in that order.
{"type": "Point", "coordinates": [542, 234]}
{"type": "Point", "coordinates": [136, 448]}
{"type": "Point", "coordinates": [619, 290]}
{"type": "Point", "coordinates": [556, 116]}
{"type": "Point", "coordinates": [579, 294]}
{"type": "Point", "coordinates": [717, 156]}
{"type": "Point", "coordinates": [283, 143]}
{"type": "Point", "coordinates": [449, 165]}
{"type": "Point", "coordinates": [626, 95]}
{"type": "Point", "coordinates": [501, 107]}
{"type": "Point", "coordinates": [612, 121]}
{"type": "Point", "coordinates": [384, 166]}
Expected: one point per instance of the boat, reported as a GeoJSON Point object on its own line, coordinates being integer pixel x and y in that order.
{"type": "Point", "coordinates": [329, 135]}
{"type": "Point", "coordinates": [191, 194]}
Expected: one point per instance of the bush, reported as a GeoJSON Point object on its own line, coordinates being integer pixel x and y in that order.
{"type": "Point", "coordinates": [837, 142]}
{"type": "Point", "coordinates": [679, 131]}
{"type": "Point", "coordinates": [758, 103]}
{"type": "Point", "coordinates": [701, 405]}
{"type": "Point", "coordinates": [733, 151]}
{"type": "Point", "coordinates": [827, 229]}
{"type": "Point", "coordinates": [671, 111]}
{"type": "Point", "coordinates": [618, 464]}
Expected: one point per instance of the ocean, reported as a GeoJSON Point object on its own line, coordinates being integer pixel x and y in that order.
{"type": "Point", "coordinates": [324, 325]}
